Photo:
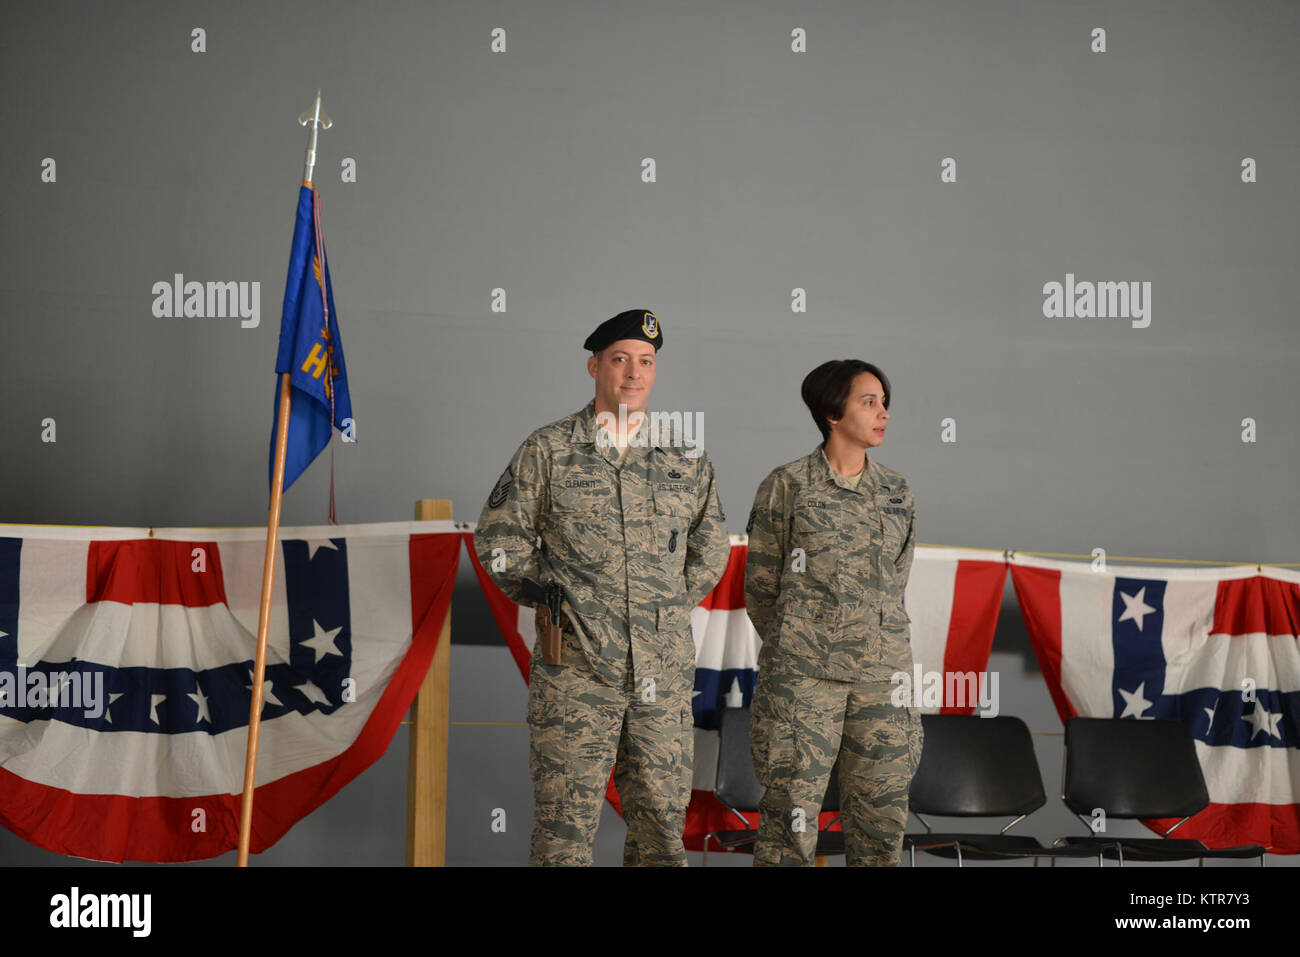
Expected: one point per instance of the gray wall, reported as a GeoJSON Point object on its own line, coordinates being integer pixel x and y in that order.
{"type": "Point", "coordinates": [776, 170]}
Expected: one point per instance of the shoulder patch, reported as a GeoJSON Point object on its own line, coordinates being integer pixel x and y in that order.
{"type": "Point", "coordinates": [502, 488]}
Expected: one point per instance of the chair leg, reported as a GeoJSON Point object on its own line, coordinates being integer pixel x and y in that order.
{"type": "Point", "coordinates": [957, 844]}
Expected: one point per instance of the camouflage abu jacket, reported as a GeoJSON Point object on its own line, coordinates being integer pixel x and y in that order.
{"type": "Point", "coordinates": [636, 544]}
{"type": "Point", "coordinates": [827, 567]}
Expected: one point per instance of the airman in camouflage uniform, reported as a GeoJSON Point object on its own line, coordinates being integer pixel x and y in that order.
{"type": "Point", "coordinates": [637, 540]}
{"type": "Point", "coordinates": [829, 558]}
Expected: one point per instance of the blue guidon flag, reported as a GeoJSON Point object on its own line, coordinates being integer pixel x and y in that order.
{"type": "Point", "coordinates": [126, 676]}
{"type": "Point", "coordinates": [1213, 648]}
{"type": "Point", "coordinates": [311, 350]}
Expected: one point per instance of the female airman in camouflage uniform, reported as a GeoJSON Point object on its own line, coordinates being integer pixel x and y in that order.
{"type": "Point", "coordinates": [831, 537]}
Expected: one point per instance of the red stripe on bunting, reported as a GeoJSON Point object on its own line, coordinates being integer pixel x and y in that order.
{"type": "Point", "coordinates": [155, 571]}
{"type": "Point", "coordinates": [1273, 826]}
{"type": "Point", "coordinates": [1256, 606]}
{"type": "Point", "coordinates": [1039, 593]}
{"type": "Point", "coordinates": [976, 603]}
{"type": "Point", "coordinates": [504, 611]}
{"type": "Point", "coordinates": [729, 593]}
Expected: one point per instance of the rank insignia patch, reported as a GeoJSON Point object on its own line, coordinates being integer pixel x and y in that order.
{"type": "Point", "coordinates": [501, 489]}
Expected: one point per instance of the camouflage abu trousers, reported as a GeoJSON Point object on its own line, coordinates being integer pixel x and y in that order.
{"type": "Point", "coordinates": [799, 726]}
{"type": "Point", "coordinates": [578, 728]}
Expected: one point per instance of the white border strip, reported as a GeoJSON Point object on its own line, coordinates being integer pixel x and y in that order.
{"type": "Point", "coordinates": [230, 533]}
{"type": "Point", "coordinates": [1219, 572]}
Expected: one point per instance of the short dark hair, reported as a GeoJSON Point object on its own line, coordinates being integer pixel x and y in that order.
{"type": "Point", "coordinates": [826, 389]}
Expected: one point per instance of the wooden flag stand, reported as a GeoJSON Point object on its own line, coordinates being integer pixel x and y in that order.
{"type": "Point", "coordinates": [426, 776]}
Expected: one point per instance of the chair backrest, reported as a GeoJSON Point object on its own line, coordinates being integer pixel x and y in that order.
{"type": "Point", "coordinates": [976, 767]}
{"type": "Point", "coordinates": [736, 785]}
{"type": "Point", "coordinates": [1132, 768]}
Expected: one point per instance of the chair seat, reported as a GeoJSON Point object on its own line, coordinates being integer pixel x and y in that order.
{"type": "Point", "coordinates": [990, 846]}
{"type": "Point", "coordinates": [733, 840]}
{"type": "Point", "coordinates": [828, 842]}
{"type": "Point", "coordinates": [975, 846]}
{"type": "Point", "coordinates": [1161, 848]}
{"type": "Point", "coordinates": [1241, 850]}
{"type": "Point", "coordinates": [1169, 843]}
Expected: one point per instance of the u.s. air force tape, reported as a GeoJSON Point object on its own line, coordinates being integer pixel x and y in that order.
{"type": "Point", "coordinates": [501, 489]}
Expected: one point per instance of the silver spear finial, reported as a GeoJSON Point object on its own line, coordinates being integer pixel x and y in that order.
{"type": "Point", "coordinates": [317, 120]}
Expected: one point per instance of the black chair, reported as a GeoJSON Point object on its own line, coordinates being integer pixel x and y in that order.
{"type": "Point", "coordinates": [831, 842]}
{"type": "Point", "coordinates": [738, 790]}
{"type": "Point", "coordinates": [1133, 769]}
{"type": "Point", "coordinates": [979, 767]}
{"type": "Point", "coordinates": [736, 786]}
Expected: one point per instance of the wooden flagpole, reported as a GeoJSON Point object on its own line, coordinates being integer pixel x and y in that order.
{"type": "Point", "coordinates": [317, 121]}
{"type": "Point", "coordinates": [264, 620]}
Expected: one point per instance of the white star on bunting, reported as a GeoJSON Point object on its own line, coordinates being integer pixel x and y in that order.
{"type": "Point", "coordinates": [1135, 608]}
{"type": "Point", "coordinates": [1134, 702]}
{"type": "Point", "coordinates": [323, 643]}
{"type": "Point", "coordinates": [200, 699]}
{"type": "Point", "coordinates": [313, 693]}
{"type": "Point", "coordinates": [1262, 720]}
{"type": "Point", "coordinates": [315, 544]}
{"type": "Point", "coordinates": [108, 713]}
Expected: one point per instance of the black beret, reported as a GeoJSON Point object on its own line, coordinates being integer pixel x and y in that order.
{"type": "Point", "coordinates": [633, 324]}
